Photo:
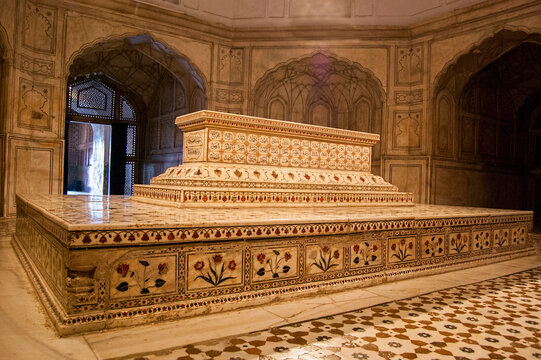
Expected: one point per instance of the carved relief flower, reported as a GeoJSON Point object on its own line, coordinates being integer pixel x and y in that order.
{"type": "Point", "coordinates": [232, 265]}
{"type": "Point", "coordinates": [217, 258]}
{"type": "Point", "coordinates": [199, 265]}
{"type": "Point", "coordinates": [261, 258]}
{"type": "Point", "coordinates": [163, 268]}
{"type": "Point", "coordinates": [123, 269]}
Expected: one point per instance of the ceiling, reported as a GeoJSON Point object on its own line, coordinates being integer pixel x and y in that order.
{"type": "Point", "coordinates": [295, 13]}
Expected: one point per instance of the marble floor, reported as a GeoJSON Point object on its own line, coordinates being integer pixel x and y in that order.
{"type": "Point", "coordinates": [490, 312]}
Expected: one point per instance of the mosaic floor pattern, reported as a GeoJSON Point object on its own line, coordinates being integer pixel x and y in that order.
{"type": "Point", "coordinates": [494, 319]}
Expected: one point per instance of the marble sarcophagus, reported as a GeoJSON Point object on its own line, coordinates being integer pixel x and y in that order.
{"type": "Point", "coordinates": [238, 225]}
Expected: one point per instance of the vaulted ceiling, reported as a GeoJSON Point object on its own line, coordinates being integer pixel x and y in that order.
{"type": "Point", "coordinates": [293, 13]}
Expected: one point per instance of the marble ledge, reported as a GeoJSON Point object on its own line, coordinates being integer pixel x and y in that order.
{"type": "Point", "coordinates": [80, 213]}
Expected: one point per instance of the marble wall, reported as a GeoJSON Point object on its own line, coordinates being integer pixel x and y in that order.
{"type": "Point", "coordinates": [400, 82]}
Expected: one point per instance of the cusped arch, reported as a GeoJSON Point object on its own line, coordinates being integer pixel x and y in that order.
{"type": "Point", "coordinates": [340, 81]}
{"type": "Point", "coordinates": [152, 46]}
{"type": "Point", "coordinates": [481, 54]}
{"type": "Point", "coordinates": [451, 88]}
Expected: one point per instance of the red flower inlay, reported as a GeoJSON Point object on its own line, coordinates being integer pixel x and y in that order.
{"type": "Point", "coordinates": [325, 249]}
{"type": "Point", "coordinates": [123, 269]}
{"type": "Point", "coordinates": [261, 258]}
{"type": "Point", "coordinates": [217, 258]}
{"type": "Point", "coordinates": [199, 265]}
{"type": "Point", "coordinates": [287, 256]}
{"type": "Point", "coordinates": [402, 241]}
{"type": "Point", "coordinates": [393, 247]}
{"type": "Point", "coordinates": [410, 245]}
{"type": "Point", "coordinates": [336, 254]}
{"type": "Point", "coordinates": [356, 248]}
{"type": "Point", "coordinates": [232, 265]}
{"type": "Point", "coordinates": [163, 268]}
{"type": "Point", "coordinates": [375, 247]}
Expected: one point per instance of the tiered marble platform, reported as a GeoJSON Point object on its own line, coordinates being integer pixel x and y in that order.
{"type": "Point", "coordinates": [235, 161]}
{"type": "Point", "coordinates": [102, 262]}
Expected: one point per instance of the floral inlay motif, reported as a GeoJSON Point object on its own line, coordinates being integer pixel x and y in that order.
{"type": "Point", "coordinates": [459, 243]}
{"type": "Point", "coordinates": [481, 240]}
{"type": "Point", "coordinates": [501, 237]}
{"type": "Point", "coordinates": [274, 263]}
{"type": "Point", "coordinates": [365, 254]}
{"type": "Point", "coordinates": [214, 269]}
{"type": "Point", "coordinates": [432, 246]}
{"type": "Point", "coordinates": [401, 249]}
{"type": "Point", "coordinates": [216, 273]}
{"type": "Point", "coordinates": [143, 276]}
{"type": "Point", "coordinates": [323, 258]}
{"type": "Point", "coordinates": [519, 235]}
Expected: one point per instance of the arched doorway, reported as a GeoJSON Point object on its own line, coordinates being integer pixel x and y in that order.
{"type": "Point", "coordinates": [141, 74]}
{"type": "Point", "coordinates": [322, 90]}
{"type": "Point", "coordinates": [101, 139]}
{"type": "Point", "coordinates": [482, 124]}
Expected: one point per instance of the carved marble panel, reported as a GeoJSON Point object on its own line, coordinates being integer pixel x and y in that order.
{"type": "Point", "coordinates": [227, 96]}
{"type": "Point", "coordinates": [401, 249]}
{"type": "Point", "coordinates": [35, 105]}
{"type": "Point", "coordinates": [214, 269]}
{"type": "Point", "coordinates": [366, 253]}
{"type": "Point", "coordinates": [39, 28]}
{"type": "Point", "coordinates": [518, 235]}
{"type": "Point", "coordinates": [36, 66]}
{"type": "Point", "coordinates": [143, 276]}
{"type": "Point", "coordinates": [459, 243]}
{"type": "Point", "coordinates": [432, 245]}
{"type": "Point", "coordinates": [408, 97]}
{"type": "Point", "coordinates": [480, 240]}
{"type": "Point", "coordinates": [501, 238]}
{"type": "Point", "coordinates": [34, 166]}
{"type": "Point", "coordinates": [409, 65]}
{"type": "Point", "coordinates": [274, 263]}
{"type": "Point", "coordinates": [407, 130]}
{"type": "Point", "coordinates": [230, 65]}
{"type": "Point", "coordinates": [323, 258]}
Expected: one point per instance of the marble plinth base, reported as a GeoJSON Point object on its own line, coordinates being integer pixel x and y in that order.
{"type": "Point", "coordinates": [105, 262]}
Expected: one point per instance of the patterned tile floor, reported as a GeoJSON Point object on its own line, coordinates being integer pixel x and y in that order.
{"type": "Point", "coordinates": [493, 319]}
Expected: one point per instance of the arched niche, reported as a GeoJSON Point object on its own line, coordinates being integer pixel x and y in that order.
{"type": "Point", "coordinates": [319, 84]}
{"type": "Point", "coordinates": [476, 123]}
{"type": "Point", "coordinates": [443, 127]}
{"type": "Point", "coordinates": [162, 85]}
{"type": "Point", "coordinates": [277, 109]}
{"type": "Point", "coordinates": [320, 113]}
